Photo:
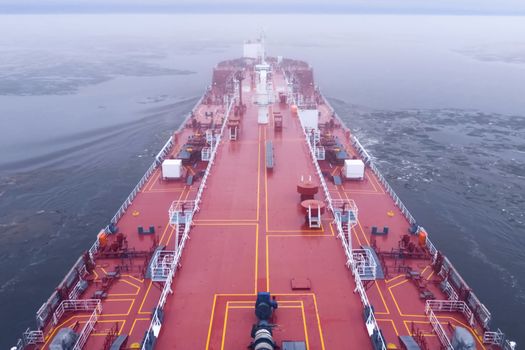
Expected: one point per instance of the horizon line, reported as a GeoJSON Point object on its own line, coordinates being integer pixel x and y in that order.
{"type": "Point", "coordinates": [246, 9]}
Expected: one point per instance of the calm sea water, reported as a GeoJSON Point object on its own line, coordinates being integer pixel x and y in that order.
{"type": "Point", "coordinates": [86, 101]}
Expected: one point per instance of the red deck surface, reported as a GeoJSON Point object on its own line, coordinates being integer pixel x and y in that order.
{"type": "Point", "coordinates": [250, 236]}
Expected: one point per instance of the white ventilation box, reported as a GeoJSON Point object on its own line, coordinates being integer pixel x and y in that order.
{"type": "Point", "coordinates": [309, 118]}
{"type": "Point", "coordinates": [172, 169]}
{"type": "Point", "coordinates": [354, 169]}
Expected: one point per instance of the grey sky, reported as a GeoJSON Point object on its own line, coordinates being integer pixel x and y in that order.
{"type": "Point", "coordinates": [507, 7]}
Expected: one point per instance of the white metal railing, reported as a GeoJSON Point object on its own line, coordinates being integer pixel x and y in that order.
{"type": "Point", "coordinates": [451, 306]}
{"type": "Point", "coordinates": [156, 319]}
{"type": "Point", "coordinates": [393, 194]}
{"type": "Point", "coordinates": [371, 322]}
{"type": "Point", "coordinates": [206, 154]}
{"type": "Point", "coordinates": [88, 327]}
{"type": "Point", "coordinates": [77, 290]}
{"type": "Point", "coordinates": [365, 264]}
{"type": "Point", "coordinates": [451, 293]}
{"type": "Point", "coordinates": [161, 265]}
{"type": "Point", "coordinates": [30, 338]}
{"type": "Point", "coordinates": [438, 329]}
{"type": "Point", "coordinates": [320, 153]}
{"type": "Point", "coordinates": [482, 310]}
{"type": "Point", "coordinates": [498, 338]}
{"type": "Point", "coordinates": [74, 306]}
{"type": "Point", "coordinates": [157, 160]}
{"type": "Point", "coordinates": [184, 208]}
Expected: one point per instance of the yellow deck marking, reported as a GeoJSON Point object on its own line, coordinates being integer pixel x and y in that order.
{"type": "Point", "coordinates": [394, 278]}
{"type": "Point", "coordinates": [391, 321]}
{"type": "Point", "coordinates": [430, 276]}
{"type": "Point", "coordinates": [135, 278]}
{"type": "Point", "coordinates": [224, 327]}
{"type": "Point", "coordinates": [265, 187]}
{"type": "Point", "coordinates": [267, 266]}
{"type": "Point", "coordinates": [135, 321]}
{"type": "Point", "coordinates": [356, 236]}
{"type": "Point", "coordinates": [258, 173]}
{"type": "Point", "coordinates": [382, 298]}
{"type": "Point", "coordinates": [131, 284]}
{"type": "Point", "coordinates": [318, 322]}
{"type": "Point", "coordinates": [304, 325]}
{"type": "Point", "coordinates": [371, 182]}
{"type": "Point", "coordinates": [144, 299]}
{"type": "Point", "coordinates": [363, 232]}
{"type": "Point", "coordinates": [129, 309]}
{"type": "Point", "coordinates": [152, 180]}
{"type": "Point", "coordinates": [256, 256]}
{"type": "Point", "coordinates": [211, 321]}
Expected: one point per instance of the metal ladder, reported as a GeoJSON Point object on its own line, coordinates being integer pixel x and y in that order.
{"type": "Point", "coordinates": [314, 221]}
{"type": "Point", "coordinates": [233, 133]}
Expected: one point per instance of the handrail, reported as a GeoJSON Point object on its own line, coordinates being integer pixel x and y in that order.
{"type": "Point", "coordinates": [438, 329]}
{"type": "Point", "coordinates": [156, 162]}
{"type": "Point", "coordinates": [410, 218]}
{"type": "Point", "coordinates": [371, 322]}
{"type": "Point", "coordinates": [127, 202]}
{"type": "Point", "coordinates": [88, 327]}
{"type": "Point", "coordinates": [156, 319]}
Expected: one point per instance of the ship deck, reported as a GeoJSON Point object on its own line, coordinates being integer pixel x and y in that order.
{"type": "Point", "coordinates": [249, 236]}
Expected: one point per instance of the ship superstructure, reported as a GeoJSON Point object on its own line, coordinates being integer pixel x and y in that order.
{"type": "Point", "coordinates": [263, 223]}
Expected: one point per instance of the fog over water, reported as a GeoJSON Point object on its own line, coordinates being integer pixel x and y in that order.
{"type": "Point", "coordinates": [86, 102]}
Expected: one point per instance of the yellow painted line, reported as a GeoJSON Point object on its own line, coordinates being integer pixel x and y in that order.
{"type": "Point", "coordinates": [258, 173]}
{"type": "Point", "coordinates": [356, 236]}
{"type": "Point", "coordinates": [304, 325]}
{"type": "Point", "coordinates": [394, 298]}
{"type": "Point", "coordinates": [391, 321]}
{"type": "Point", "coordinates": [256, 256]}
{"type": "Point", "coordinates": [378, 183]}
{"type": "Point", "coordinates": [332, 230]}
{"type": "Point", "coordinates": [398, 284]}
{"type": "Point", "coordinates": [170, 235]}
{"type": "Point", "coordinates": [318, 322]}
{"type": "Point", "coordinates": [129, 309]}
{"type": "Point", "coordinates": [265, 186]}
{"type": "Point", "coordinates": [211, 322]}
{"type": "Point", "coordinates": [144, 299]}
{"type": "Point", "coordinates": [135, 321]}
{"type": "Point", "coordinates": [55, 329]}
{"type": "Point", "coordinates": [177, 190]}
{"type": "Point", "coordinates": [382, 297]}
{"type": "Point", "coordinates": [367, 192]}
{"type": "Point", "coordinates": [430, 276]}
{"type": "Point", "coordinates": [363, 232]}
{"type": "Point", "coordinates": [374, 186]}
{"type": "Point", "coordinates": [224, 327]}
{"type": "Point", "coordinates": [394, 278]}
{"type": "Point", "coordinates": [131, 284]}
{"type": "Point", "coordinates": [151, 182]}
{"type": "Point", "coordinates": [164, 232]}
{"type": "Point", "coordinates": [267, 266]}
{"type": "Point", "coordinates": [135, 278]}
{"type": "Point", "coordinates": [299, 231]}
